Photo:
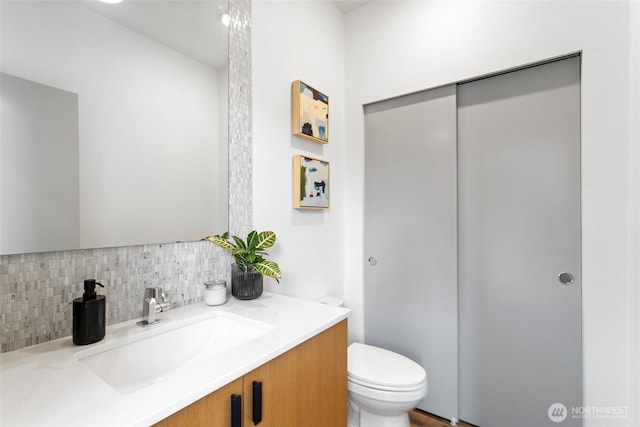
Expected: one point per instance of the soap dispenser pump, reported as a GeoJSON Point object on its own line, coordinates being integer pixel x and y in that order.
{"type": "Point", "coordinates": [89, 315]}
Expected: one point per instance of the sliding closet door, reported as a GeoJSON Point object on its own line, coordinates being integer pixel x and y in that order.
{"type": "Point", "coordinates": [519, 247]}
{"type": "Point", "coordinates": [410, 236]}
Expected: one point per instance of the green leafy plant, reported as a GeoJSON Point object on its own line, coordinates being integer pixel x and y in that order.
{"type": "Point", "coordinates": [250, 254]}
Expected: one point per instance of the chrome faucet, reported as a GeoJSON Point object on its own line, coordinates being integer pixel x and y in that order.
{"type": "Point", "coordinates": [154, 302]}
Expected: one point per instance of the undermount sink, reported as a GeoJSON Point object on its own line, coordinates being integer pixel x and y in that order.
{"type": "Point", "coordinates": [138, 361]}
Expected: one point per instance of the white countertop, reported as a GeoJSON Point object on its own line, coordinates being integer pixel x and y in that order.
{"type": "Point", "coordinates": [46, 384]}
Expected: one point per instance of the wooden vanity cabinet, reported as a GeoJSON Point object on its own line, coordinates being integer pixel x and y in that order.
{"type": "Point", "coordinates": [212, 410]}
{"type": "Point", "coordinates": [306, 386]}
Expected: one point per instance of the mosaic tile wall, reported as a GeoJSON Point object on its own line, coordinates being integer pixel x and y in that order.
{"type": "Point", "coordinates": [240, 119]}
{"type": "Point", "coordinates": [36, 290]}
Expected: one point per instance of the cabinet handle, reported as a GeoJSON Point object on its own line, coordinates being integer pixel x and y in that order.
{"type": "Point", "coordinates": [257, 402]}
{"type": "Point", "coordinates": [236, 410]}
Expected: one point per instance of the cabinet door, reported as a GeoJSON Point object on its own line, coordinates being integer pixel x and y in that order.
{"type": "Point", "coordinates": [306, 386]}
{"type": "Point", "coordinates": [212, 410]}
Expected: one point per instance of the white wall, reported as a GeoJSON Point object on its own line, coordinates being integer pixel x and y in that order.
{"type": "Point", "coordinates": [131, 89]}
{"type": "Point", "coordinates": [634, 199]}
{"type": "Point", "coordinates": [294, 40]}
{"type": "Point", "coordinates": [394, 48]}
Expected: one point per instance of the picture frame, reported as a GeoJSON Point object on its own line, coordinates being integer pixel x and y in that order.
{"type": "Point", "coordinates": [309, 113]}
{"type": "Point", "coordinates": [311, 183]}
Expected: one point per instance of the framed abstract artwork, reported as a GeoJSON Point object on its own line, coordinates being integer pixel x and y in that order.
{"type": "Point", "coordinates": [309, 113]}
{"type": "Point", "coordinates": [310, 183]}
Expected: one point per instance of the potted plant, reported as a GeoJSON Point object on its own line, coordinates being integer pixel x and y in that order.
{"type": "Point", "coordinates": [250, 266]}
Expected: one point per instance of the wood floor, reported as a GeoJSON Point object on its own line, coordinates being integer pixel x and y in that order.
{"type": "Point", "coordinates": [423, 419]}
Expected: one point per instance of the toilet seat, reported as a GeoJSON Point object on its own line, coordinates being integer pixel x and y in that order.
{"type": "Point", "coordinates": [415, 387]}
{"type": "Point", "coordinates": [389, 396]}
{"type": "Point", "coordinates": [381, 369]}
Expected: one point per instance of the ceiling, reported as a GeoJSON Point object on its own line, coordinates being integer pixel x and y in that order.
{"type": "Point", "coordinates": [191, 27]}
{"type": "Point", "coordinates": [348, 5]}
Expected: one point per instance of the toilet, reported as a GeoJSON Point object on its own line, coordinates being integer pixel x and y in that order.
{"type": "Point", "coordinates": [383, 387]}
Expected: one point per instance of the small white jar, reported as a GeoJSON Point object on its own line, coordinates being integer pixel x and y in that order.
{"type": "Point", "coordinates": [215, 292]}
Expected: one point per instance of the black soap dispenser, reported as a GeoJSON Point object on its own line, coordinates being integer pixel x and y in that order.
{"type": "Point", "coordinates": [89, 315]}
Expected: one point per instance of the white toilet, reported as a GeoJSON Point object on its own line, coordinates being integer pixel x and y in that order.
{"type": "Point", "coordinates": [383, 386]}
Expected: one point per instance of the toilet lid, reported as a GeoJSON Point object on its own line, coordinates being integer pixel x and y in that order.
{"type": "Point", "coordinates": [384, 369]}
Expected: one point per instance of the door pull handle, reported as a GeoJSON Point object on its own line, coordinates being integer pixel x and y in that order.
{"type": "Point", "coordinates": [236, 410]}
{"type": "Point", "coordinates": [256, 415]}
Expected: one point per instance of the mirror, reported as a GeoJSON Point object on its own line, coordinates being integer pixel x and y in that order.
{"type": "Point", "coordinates": [113, 123]}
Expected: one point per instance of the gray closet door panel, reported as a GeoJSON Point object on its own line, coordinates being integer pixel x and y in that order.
{"type": "Point", "coordinates": [519, 228]}
{"type": "Point", "coordinates": [410, 229]}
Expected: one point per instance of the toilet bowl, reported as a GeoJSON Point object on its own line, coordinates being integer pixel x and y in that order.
{"type": "Point", "coordinates": [383, 387]}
